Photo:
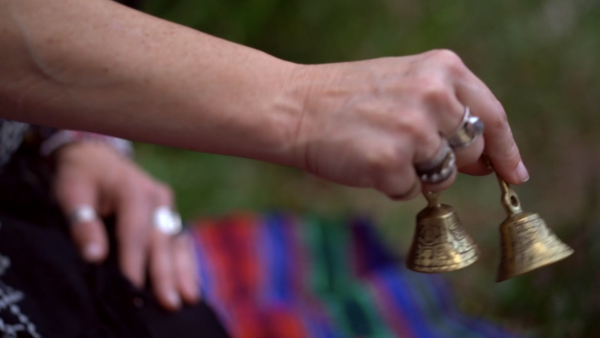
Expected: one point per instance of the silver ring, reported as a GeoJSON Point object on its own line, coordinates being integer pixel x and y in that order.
{"type": "Point", "coordinates": [167, 221]}
{"type": "Point", "coordinates": [467, 132]}
{"type": "Point", "coordinates": [83, 214]}
{"type": "Point", "coordinates": [439, 168]}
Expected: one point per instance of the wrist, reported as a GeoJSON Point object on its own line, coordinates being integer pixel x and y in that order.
{"type": "Point", "coordinates": [76, 151]}
{"type": "Point", "coordinates": [63, 138]}
{"type": "Point", "coordinates": [265, 126]}
{"type": "Point", "coordinates": [306, 90]}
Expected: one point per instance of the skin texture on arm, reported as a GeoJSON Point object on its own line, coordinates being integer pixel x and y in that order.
{"type": "Point", "coordinates": [99, 66]}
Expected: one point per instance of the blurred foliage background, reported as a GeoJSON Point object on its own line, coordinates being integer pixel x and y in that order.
{"type": "Point", "coordinates": [541, 59]}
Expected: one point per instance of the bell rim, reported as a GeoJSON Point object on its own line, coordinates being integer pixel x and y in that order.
{"type": "Point", "coordinates": [445, 268]}
{"type": "Point", "coordinates": [501, 277]}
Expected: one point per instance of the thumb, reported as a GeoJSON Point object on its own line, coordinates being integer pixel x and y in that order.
{"type": "Point", "coordinates": [78, 198]}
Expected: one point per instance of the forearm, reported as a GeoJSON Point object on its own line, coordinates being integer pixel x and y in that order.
{"type": "Point", "coordinates": [98, 66]}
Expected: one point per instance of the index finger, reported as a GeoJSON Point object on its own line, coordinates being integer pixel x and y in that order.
{"type": "Point", "coordinates": [500, 145]}
{"type": "Point", "coordinates": [74, 192]}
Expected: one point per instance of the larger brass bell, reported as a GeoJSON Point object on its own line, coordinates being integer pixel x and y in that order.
{"type": "Point", "coordinates": [527, 242]}
{"type": "Point", "coordinates": [440, 243]}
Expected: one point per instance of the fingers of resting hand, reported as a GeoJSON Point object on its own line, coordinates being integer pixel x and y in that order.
{"type": "Point", "coordinates": [89, 236]}
{"type": "Point", "coordinates": [91, 239]}
{"type": "Point", "coordinates": [186, 270]}
{"type": "Point", "coordinates": [133, 220]}
{"type": "Point", "coordinates": [500, 145]}
{"type": "Point", "coordinates": [172, 268]}
{"type": "Point", "coordinates": [162, 271]}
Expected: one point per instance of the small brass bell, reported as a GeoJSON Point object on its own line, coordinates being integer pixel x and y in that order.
{"type": "Point", "coordinates": [440, 243]}
{"type": "Point", "coordinates": [526, 241]}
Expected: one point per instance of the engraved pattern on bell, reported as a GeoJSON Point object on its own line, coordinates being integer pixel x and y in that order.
{"type": "Point", "coordinates": [430, 234]}
{"type": "Point", "coordinates": [527, 243]}
{"type": "Point", "coordinates": [457, 231]}
{"type": "Point", "coordinates": [440, 243]}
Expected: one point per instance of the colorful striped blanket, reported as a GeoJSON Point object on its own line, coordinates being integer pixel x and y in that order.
{"type": "Point", "coordinates": [283, 276]}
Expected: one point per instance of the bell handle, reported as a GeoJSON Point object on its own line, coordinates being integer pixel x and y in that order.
{"type": "Point", "coordinates": [510, 199]}
{"type": "Point", "coordinates": [433, 198]}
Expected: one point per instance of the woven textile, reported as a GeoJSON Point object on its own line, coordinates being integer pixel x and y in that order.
{"type": "Point", "coordinates": [279, 275]}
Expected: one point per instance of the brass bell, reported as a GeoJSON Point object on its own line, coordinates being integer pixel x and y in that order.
{"type": "Point", "coordinates": [526, 241]}
{"type": "Point", "coordinates": [440, 243]}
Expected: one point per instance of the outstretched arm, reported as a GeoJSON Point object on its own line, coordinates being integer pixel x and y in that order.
{"type": "Point", "coordinates": [98, 66]}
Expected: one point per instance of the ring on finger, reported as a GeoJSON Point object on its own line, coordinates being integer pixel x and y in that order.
{"type": "Point", "coordinates": [83, 214]}
{"type": "Point", "coordinates": [167, 221]}
{"type": "Point", "coordinates": [470, 128]}
{"type": "Point", "coordinates": [439, 168]}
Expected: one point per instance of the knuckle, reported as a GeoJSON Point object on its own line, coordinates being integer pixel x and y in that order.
{"type": "Point", "coordinates": [416, 123]}
{"type": "Point", "coordinates": [132, 189]}
{"type": "Point", "coordinates": [421, 131]}
{"type": "Point", "coordinates": [446, 56]}
{"type": "Point", "coordinates": [381, 161]}
{"type": "Point", "coordinates": [447, 59]}
{"type": "Point", "coordinates": [434, 91]}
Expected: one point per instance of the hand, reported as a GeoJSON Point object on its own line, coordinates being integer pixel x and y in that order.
{"type": "Point", "coordinates": [96, 175]}
{"type": "Point", "coordinates": [367, 123]}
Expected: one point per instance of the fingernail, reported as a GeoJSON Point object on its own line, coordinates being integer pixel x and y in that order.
{"type": "Point", "coordinates": [173, 299]}
{"type": "Point", "coordinates": [522, 172]}
{"type": "Point", "coordinates": [93, 252]}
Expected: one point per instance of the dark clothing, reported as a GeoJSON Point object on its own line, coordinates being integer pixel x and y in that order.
{"type": "Point", "coordinates": [46, 290]}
